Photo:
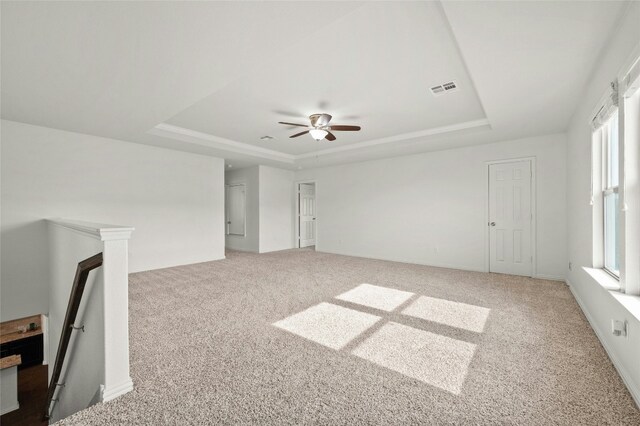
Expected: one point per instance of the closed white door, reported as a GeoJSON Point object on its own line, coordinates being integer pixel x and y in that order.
{"type": "Point", "coordinates": [510, 218]}
{"type": "Point", "coordinates": [307, 214]}
{"type": "Point", "coordinates": [235, 209]}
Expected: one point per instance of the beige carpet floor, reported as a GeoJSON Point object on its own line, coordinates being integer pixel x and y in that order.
{"type": "Point", "coordinates": [299, 337]}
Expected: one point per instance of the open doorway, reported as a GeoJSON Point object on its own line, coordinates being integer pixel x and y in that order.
{"type": "Point", "coordinates": [306, 222]}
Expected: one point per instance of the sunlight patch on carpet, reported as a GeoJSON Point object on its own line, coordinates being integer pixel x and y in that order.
{"type": "Point", "coordinates": [327, 324]}
{"type": "Point", "coordinates": [454, 314]}
{"type": "Point", "coordinates": [431, 358]}
{"type": "Point", "coordinates": [373, 296]}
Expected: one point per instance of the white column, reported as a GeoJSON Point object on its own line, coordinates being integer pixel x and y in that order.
{"type": "Point", "coordinates": [114, 341]}
{"type": "Point", "coordinates": [116, 312]}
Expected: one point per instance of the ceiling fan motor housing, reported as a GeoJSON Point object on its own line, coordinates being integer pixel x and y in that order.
{"type": "Point", "coordinates": [319, 120]}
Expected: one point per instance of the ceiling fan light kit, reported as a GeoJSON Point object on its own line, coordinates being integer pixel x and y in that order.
{"type": "Point", "coordinates": [320, 128]}
{"type": "Point", "coordinates": [318, 134]}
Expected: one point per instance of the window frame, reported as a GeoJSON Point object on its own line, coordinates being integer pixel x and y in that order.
{"type": "Point", "coordinates": [629, 140]}
{"type": "Point", "coordinates": [608, 188]}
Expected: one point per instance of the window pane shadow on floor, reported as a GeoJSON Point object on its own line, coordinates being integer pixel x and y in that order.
{"type": "Point", "coordinates": [431, 358]}
{"type": "Point", "coordinates": [330, 325]}
{"type": "Point", "coordinates": [447, 312]}
{"type": "Point", "coordinates": [373, 296]}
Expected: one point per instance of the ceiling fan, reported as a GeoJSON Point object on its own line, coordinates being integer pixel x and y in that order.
{"type": "Point", "coordinates": [320, 127]}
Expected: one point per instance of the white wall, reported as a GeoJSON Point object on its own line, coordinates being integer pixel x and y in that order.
{"type": "Point", "coordinates": [276, 216]}
{"type": "Point", "coordinates": [268, 209]}
{"type": "Point", "coordinates": [599, 304]}
{"type": "Point", "coordinates": [249, 177]}
{"type": "Point", "coordinates": [431, 208]}
{"type": "Point", "coordinates": [175, 200]}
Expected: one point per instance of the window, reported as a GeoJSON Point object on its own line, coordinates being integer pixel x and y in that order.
{"type": "Point", "coordinates": [630, 184]}
{"type": "Point", "coordinates": [615, 183]}
{"type": "Point", "coordinates": [610, 196]}
{"type": "Point", "coordinates": [605, 185]}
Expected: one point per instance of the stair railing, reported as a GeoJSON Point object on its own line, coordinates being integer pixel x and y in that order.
{"type": "Point", "coordinates": [79, 282]}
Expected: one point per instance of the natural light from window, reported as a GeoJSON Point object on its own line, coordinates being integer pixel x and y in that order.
{"type": "Point", "coordinates": [373, 296]}
{"type": "Point", "coordinates": [440, 361]}
{"type": "Point", "coordinates": [447, 312]}
{"type": "Point", "coordinates": [330, 325]}
{"type": "Point", "coordinates": [432, 358]}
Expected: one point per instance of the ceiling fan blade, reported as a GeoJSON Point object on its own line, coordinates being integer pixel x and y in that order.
{"type": "Point", "coordinates": [299, 134]}
{"type": "Point", "coordinates": [292, 124]}
{"type": "Point", "coordinates": [343, 128]}
{"type": "Point", "coordinates": [330, 137]}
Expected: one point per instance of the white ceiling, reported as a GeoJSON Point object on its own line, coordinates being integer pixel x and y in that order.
{"type": "Point", "coordinates": [373, 67]}
{"type": "Point", "coordinates": [212, 77]}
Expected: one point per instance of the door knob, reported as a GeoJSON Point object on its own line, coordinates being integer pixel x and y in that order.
{"type": "Point", "coordinates": [493, 224]}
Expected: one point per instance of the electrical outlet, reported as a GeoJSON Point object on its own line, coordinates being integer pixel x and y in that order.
{"type": "Point", "coordinates": [619, 328]}
{"type": "Point", "coordinates": [570, 266]}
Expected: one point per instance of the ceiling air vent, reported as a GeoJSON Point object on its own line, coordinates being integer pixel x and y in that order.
{"type": "Point", "coordinates": [449, 86]}
{"type": "Point", "coordinates": [443, 88]}
{"type": "Point", "coordinates": [436, 90]}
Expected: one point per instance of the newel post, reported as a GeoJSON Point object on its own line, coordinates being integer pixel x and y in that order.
{"type": "Point", "coordinates": [117, 380]}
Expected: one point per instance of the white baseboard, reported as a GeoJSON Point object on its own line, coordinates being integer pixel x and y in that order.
{"type": "Point", "coordinates": [113, 392]}
{"type": "Point", "coordinates": [173, 265]}
{"type": "Point", "coordinates": [243, 250]}
{"type": "Point", "coordinates": [410, 262]}
{"type": "Point", "coordinates": [634, 390]}
{"type": "Point", "coordinates": [9, 409]}
{"type": "Point", "coordinates": [549, 277]}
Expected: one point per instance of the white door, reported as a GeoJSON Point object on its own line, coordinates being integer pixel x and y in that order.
{"type": "Point", "coordinates": [307, 214]}
{"type": "Point", "coordinates": [510, 218]}
{"type": "Point", "coordinates": [235, 211]}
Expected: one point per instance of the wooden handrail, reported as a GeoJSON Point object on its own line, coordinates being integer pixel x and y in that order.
{"type": "Point", "coordinates": [79, 282]}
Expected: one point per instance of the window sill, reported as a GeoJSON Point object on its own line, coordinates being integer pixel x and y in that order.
{"type": "Point", "coordinates": [630, 302]}
{"type": "Point", "coordinates": [603, 278]}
